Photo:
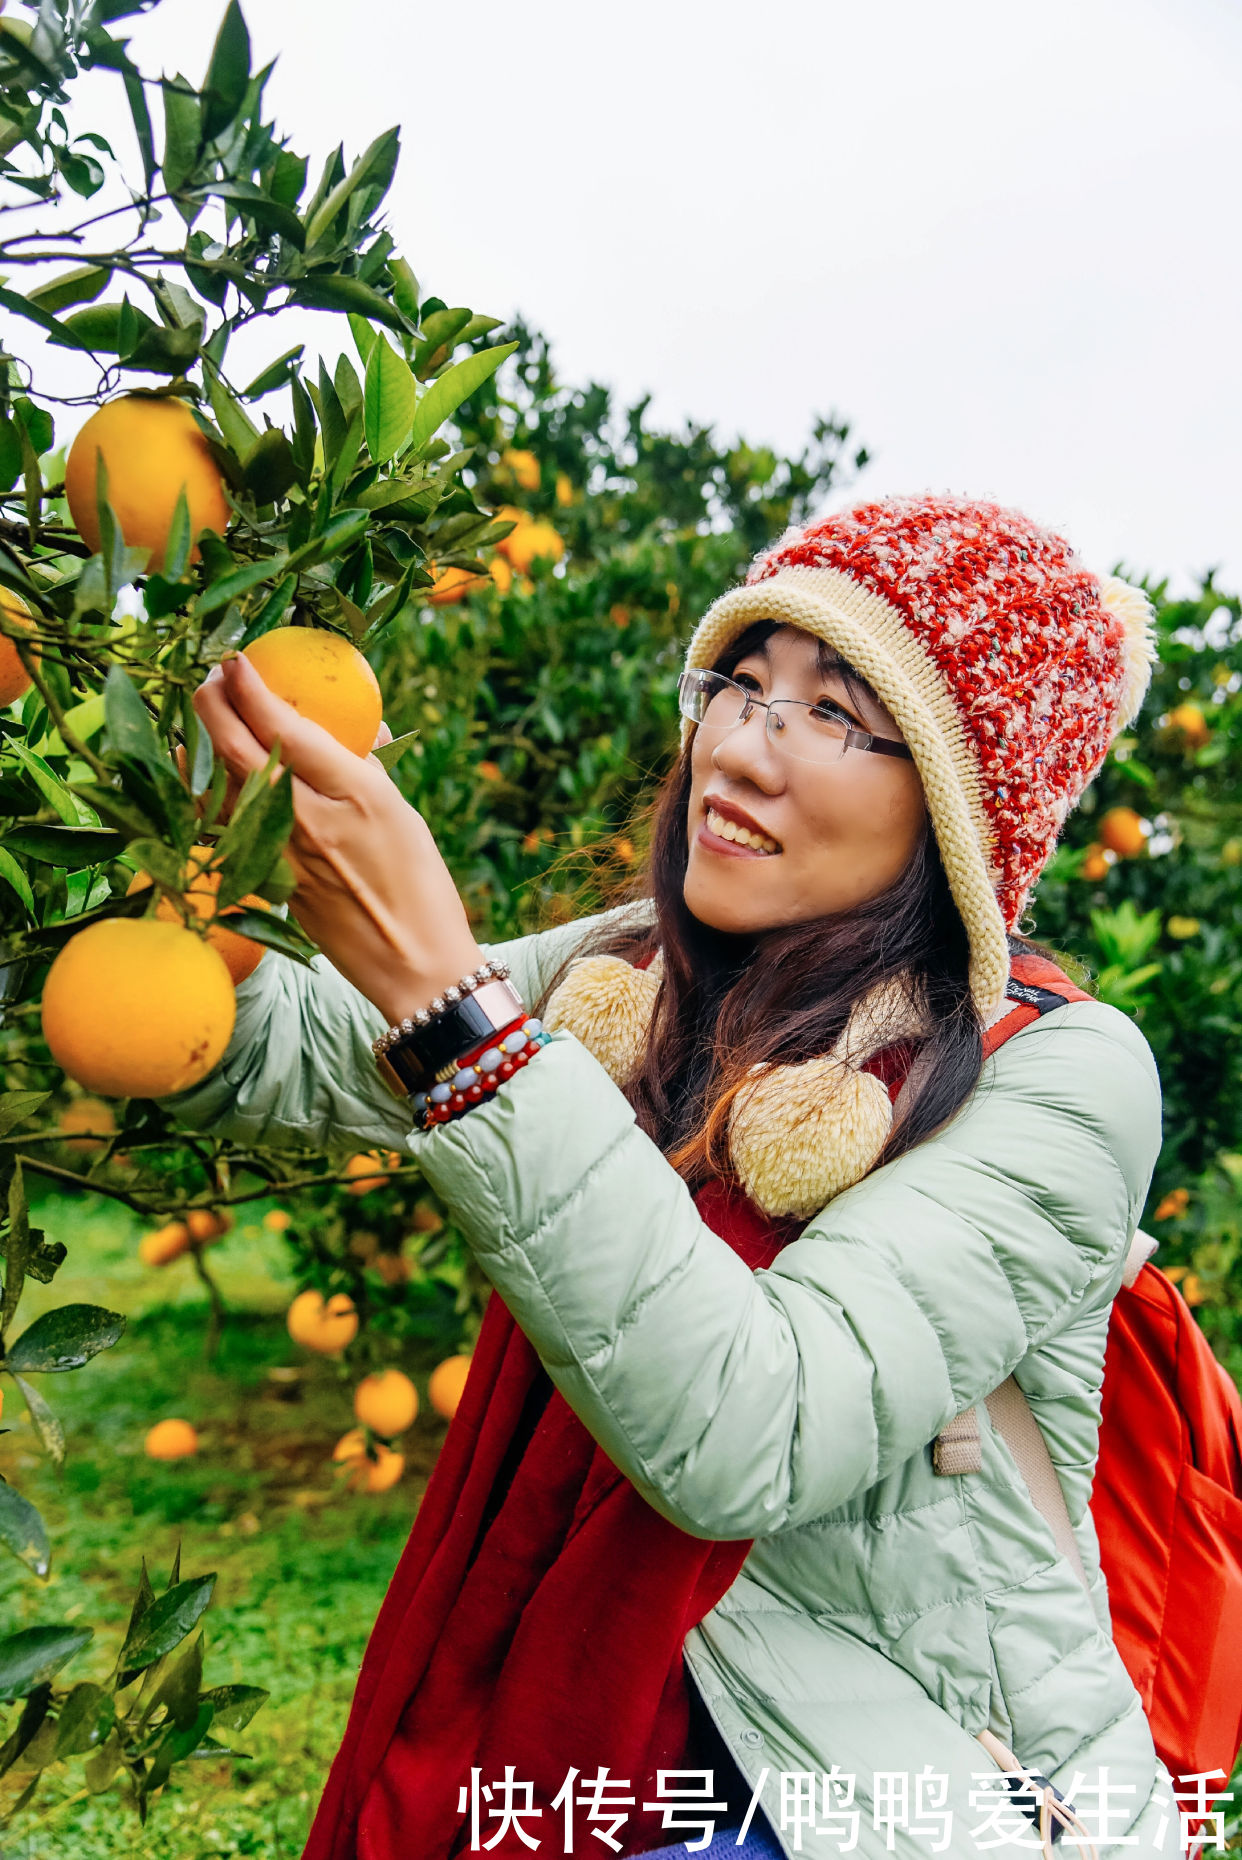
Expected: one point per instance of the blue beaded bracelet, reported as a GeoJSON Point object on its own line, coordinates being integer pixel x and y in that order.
{"type": "Point", "coordinates": [476, 1079]}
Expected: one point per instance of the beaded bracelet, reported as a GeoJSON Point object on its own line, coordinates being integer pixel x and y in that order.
{"type": "Point", "coordinates": [478, 1074]}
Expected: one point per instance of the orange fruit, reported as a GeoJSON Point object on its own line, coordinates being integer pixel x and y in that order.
{"type": "Point", "coordinates": [134, 1008]}
{"type": "Point", "coordinates": [164, 1244]}
{"type": "Point", "coordinates": [1193, 1289]}
{"type": "Point", "coordinates": [1189, 722]}
{"type": "Point", "coordinates": [1121, 830]}
{"type": "Point", "coordinates": [170, 1440]}
{"type": "Point", "coordinates": [152, 450]}
{"type": "Point", "coordinates": [509, 513]}
{"type": "Point", "coordinates": [277, 1220]}
{"type": "Point", "coordinates": [447, 1380]}
{"type": "Point", "coordinates": [323, 677]}
{"type": "Point", "coordinates": [14, 678]}
{"type": "Point", "coordinates": [1174, 1203]}
{"type": "Point", "coordinates": [501, 573]}
{"type": "Point", "coordinates": [1096, 864]}
{"type": "Point", "coordinates": [326, 1327]}
{"type": "Point", "coordinates": [453, 585]}
{"type": "Point", "coordinates": [206, 1224]}
{"type": "Point", "coordinates": [241, 954]}
{"type": "Point", "coordinates": [367, 1475]}
{"type": "Point", "coordinates": [564, 489]}
{"type": "Point", "coordinates": [87, 1114]}
{"type": "Point", "coordinates": [524, 467]}
{"type": "Point", "coordinates": [386, 1402]}
{"type": "Point", "coordinates": [362, 1170]}
{"type": "Point", "coordinates": [426, 1220]}
{"type": "Point", "coordinates": [530, 542]}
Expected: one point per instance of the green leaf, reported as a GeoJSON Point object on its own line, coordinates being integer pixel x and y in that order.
{"type": "Point", "coordinates": [13, 875]}
{"type": "Point", "coordinates": [137, 98]}
{"type": "Point", "coordinates": [303, 429]}
{"type": "Point", "coordinates": [374, 167]}
{"type": "Point", "coordinates": [271, 613]}
{"type": "Point", "coordinates": [82, 285]}
{"type": "Point", "coordinates": [35, 313]}
{"type": "Point", "coordinates": [389, 401]}
{"type": "Point", "coordinates": [177, 548]}
{"type": "Point", "coordinates": [97, 329]}
{"type": "Point", "coordinates": [23, 1532]}
{"type": "Point", "coordinates": [34, 1654]}
{"type": "Point", "coordinates": [65, 1338]}
{"type": "Point", "coordinates": [446, 394]}
{"type": "Point", "coordinates": [10, 453]}
{"type": "Point", "coordinates": [182, 132]}
{"type": "Point", "coordinates": [348, 387]}
{"type": "Point", "coordinates": [45, 1423]}
{"type": "Point", "coordinates": [84, 1720]}
{"type": "Point", "coordinates": [365, 338]}
{"type": "Point", "coordinates": [391, 753]}
{"type": "Point", "coordinates": [255, 837]}
{"type": "Point", "coordinates": [231, 587]}
{"type": "Point", "coordinates": [162, 351]}
{"type": "Point", "coordinates": [58, 795]}
{"type": "Point", "coordinates": [165, 1624]}
{"type": "Point", "coordinates": [253, 204]}
{"type": "Point", "coordinates": [234, 1705]}
{"type": "Point", "coordinates": [277, 374]}
{"type": "Point", "coordinates": [339, 292]}
{"type": "Point", "coordinates": [338, 535]}
{"type": "Point", "coordinates": [234, 422]}
{"type": "Point", "coordinates": [404, 289]}
{"type": "Point", "coordinates": [131, 731]}
{"type": "Point", "coordinates": [17, 1106]}
{"type": "Point", "coordinates": [278, 933]}
{"type": "Point", "coordinates": [71, 847]}
{"type": "Point", "coordinates": [17, 1249]}
{"type": "Point", "coordinates": [228, 74]}
{"type": "Point", "coordinates": [269, 467]}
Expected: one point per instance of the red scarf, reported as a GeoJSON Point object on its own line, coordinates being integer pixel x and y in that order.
{"type": "Point", "coordinates": [538, 1626]}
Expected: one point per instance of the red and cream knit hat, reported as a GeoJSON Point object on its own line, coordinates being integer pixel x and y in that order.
{"type": "Point", "coordinates": [1007, 664]}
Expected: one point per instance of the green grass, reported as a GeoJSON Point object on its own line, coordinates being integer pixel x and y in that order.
{"type": "Point", "coordinates": [301, 1566]}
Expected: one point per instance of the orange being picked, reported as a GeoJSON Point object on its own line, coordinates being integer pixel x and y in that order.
{"type": "Point", "coordinates": [453, 585]}
{"type": "Point", "coordinates": [323, 677]}
{"type": "Point", "coordinates": [386, 1402]}
{"type": "Point", "coordinates": [365, 1475]}
{"type": "Point", "coordinates": [152, 449]}
{"type": "Point", "coordinates": [164, 1244]}
{"type": "Point", "coordinates": [326, 1327]}
{"type": "Point", "coordinates": [134, 1008]}
{"type": "Point", "coordinates": [91, 1116]}
{"type": "Point", "coordinates": [1121, 830]}
{"type": "Point", "coordinates": [447, 1380]}
{"type": "Point", "coordinates": [363, 1171]}
{"type": "Point", "coordinates": [14, 678]}
{"type": "Point", "coordinates": [241, 954]}
{"type": "Point", "coordinates": [170, 1440]}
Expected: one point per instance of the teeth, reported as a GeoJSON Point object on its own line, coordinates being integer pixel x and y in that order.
{"type": "Point", "coordinates": [730, 830]}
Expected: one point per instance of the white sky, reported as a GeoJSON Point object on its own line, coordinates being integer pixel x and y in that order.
{"type": "Point", "coordinates": [1003, 238]}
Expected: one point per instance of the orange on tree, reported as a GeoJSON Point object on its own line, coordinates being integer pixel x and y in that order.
{"type": "Point", "coordinates": [363, 1474]}
{"type": "Point", "coordinates": [323, 1326]}
{"type": "Point", "coordinates": [445, 1385]}
{"type": "Point", "coordinates": [91, 1116]}
{"type": "Point", "coordinates": [386, 1402]}
{"type": "Point", "coordinates": [1189, 723]}
{"type": "Point", "coordinates": [134, 1008]}
{"type": "Point", "coordinates": [453, 585]}
{"type": "Point", "coordinates": [241, 954]}
{"type": "Point", "coordinates": [14, 678]}
{"type": "Point", "coordinates": [532, 542]}
{"type": "Point", "coordinates": [393, 1268]}
{"type": "Point", "coordinates": [170, 1440]}
{"type": "Point", "coordinates": [277, 1220]}
{"type": "Point", "coordinates": [1096, 863]}
{"type": "Point", "coordinates": [501, 573]}
{"type": "Point", "coordinates": [153, 449]}
{"type": "Point", "coordinates": [524, 467]}
{"type": "Point", "coordinates": [325, 678]}
{"type": "Point", "coordinates": [1121, 831]}
{"type": "Point", "coordinates": [1174, 1203]}
{"type": "Point", "coordinates": [204, 1224]}
{"type": "Point", "coordinates": [426, 1220]}
{"type": "Point", "coordinates": [164, 1244]}
{"type": "Point", "coordinates": [365, 1171]}
{"type": "Point", "coordinates": [509, 513]}
{"type": "Point", "coordinates": [564, 489]}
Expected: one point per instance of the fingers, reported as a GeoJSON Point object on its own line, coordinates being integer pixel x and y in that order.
{"type": "Point", "coordinates": [382, 735]}
{"type": "Point", "coordinates": [236, 744]}
{"type": "Point", "coordinates": [305, 747]}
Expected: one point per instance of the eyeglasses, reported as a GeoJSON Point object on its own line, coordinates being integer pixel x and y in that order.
{"type": "Point", "coordinates": [807, 732]}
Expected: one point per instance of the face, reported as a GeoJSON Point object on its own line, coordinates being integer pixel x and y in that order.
{"type": "Point", "coordinates": [844, 830]}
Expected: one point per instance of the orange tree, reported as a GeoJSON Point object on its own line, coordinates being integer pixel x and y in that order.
{"type": "Point", "coordinates": [124, 865]}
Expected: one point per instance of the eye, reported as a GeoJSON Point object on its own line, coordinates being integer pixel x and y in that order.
{"type": "Point", "coordinates": [829, 709]}
{"type": "Point", "coordinates": [747, 680]}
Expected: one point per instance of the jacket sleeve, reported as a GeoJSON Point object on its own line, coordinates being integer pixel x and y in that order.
{"type": "Point", "coordinates": [742, 1403]}
{"type": "Point", "coordinates": [299, 1068]}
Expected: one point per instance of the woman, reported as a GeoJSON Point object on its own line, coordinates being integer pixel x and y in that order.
{"type": "Point", "coordinates": [689, 1516]}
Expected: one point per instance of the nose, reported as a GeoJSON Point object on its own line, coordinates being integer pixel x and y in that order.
{"type": "Point", "coordinates": [746, 752]}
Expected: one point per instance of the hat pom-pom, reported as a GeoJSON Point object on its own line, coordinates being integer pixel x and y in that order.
{"type": "Point", "coordinates": [800, 1134]}
{"type": "Point", "coordinates": [1133, 608]}
{"type": "Point", "coordinates": [607, 1004]}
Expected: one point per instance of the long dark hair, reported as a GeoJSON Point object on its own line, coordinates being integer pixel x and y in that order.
{"type": "Point", "coordinates": [727, 1003]}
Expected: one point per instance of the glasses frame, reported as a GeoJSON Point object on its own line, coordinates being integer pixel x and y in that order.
{"type": "Point", "coordinates": [854, 738]}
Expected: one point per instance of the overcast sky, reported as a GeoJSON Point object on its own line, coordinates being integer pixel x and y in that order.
{"type": "Point", "coordinates": [1003, 239]}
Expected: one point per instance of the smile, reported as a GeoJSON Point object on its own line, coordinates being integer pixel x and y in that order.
{"type": "Point", "coordinates": [720, 835]}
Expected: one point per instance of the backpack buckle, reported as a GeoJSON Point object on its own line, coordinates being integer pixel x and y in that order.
{"type": "Point", "coordinates": [957, 1448]}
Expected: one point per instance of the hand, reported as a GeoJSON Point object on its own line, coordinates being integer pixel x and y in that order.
{"type": "Point", "coordinates": [372, 888]}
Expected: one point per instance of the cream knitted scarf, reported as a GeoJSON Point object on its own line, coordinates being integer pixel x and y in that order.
{"type": "Point", "coordinates": [800, 1133]}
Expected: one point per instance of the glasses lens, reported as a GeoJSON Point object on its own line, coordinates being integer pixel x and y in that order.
{"type": "Point", "coordinates": [807, 734]}
{"type": "Point", "coordinates": [710, 698]}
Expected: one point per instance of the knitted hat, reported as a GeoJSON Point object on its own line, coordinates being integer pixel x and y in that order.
{"type": "Point", "coordinates": [1007, 664]}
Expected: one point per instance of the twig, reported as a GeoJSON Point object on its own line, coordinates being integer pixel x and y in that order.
{"type": "Point", "coordinates": [215, 1322]}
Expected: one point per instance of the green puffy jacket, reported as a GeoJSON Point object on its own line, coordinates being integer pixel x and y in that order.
{"type": "Point", "coordinates": [884, 1614]}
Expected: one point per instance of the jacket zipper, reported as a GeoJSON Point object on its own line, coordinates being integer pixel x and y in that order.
{"type": "Point", "coordinates": [727, 1741]}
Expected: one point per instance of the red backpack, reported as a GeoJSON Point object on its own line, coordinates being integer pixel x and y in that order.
{"type": "Point", "coordinates": [1167, 1496]}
